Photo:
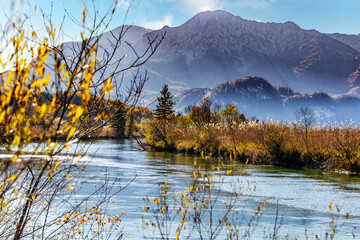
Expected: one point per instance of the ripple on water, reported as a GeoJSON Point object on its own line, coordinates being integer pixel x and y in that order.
{"type": "Point", "coordinates": [301, 197]}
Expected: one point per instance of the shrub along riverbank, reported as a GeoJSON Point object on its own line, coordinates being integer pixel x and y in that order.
{"type": "Point", "coordinates": [292, 145]}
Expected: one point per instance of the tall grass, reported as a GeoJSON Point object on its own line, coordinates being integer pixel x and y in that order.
{"type": "Point", "coordinates": [327, 146]}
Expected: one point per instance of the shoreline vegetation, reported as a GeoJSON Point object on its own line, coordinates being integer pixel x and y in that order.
{"type": "Point", "coordinates": [228, 134]}
{"type": "Point", "coordinates": [267, 143]}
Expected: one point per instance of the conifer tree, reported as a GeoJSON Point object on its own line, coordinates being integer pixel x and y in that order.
{"type": "Point", "coordinates": [164, 108]}
{"type": "Point", "coordinates": [119, 120]}
{"type": "Point", "coordinates": [130, 124]}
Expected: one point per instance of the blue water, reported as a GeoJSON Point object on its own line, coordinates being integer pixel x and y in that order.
{"type": "Point", "coordinates": [298, 198]}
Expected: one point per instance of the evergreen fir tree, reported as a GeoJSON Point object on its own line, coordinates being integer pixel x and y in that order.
{"type": "Point", "coordinates": [164, 108]}
{"type": "Point", "coordinates": [130, 124]}
{"type": "Point", "coordinates": [118, 121]}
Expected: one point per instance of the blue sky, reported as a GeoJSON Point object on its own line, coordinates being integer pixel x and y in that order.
{"type": "Point", "coordinates": [327, 16]}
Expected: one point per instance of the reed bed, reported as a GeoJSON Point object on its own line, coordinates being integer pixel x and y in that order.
{"type": "Point", "coordinates": [330, 146]}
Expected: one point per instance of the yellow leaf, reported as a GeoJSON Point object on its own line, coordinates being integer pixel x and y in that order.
{"type": "Point", "coordinates": [66, 74]}
{"type": "Point", "coordinates": [12, 178]}
{"type": "Point", "coordinates": [84, 15]}
{"type": "Point", "coordinates": [50, 174]}
{"type": "Point", "coordinates": [68, 188]}
{"type": "Point", "coordinates": [2, 116]}
{"type": "Point", "coordinates": [99, 116]}
{"type": "Point", "coordinates": [79, 112]}
{"type": "Point", "coordinates": [16, 140]}
{"type": "Point", "coordinates": [72, 111]}
{"type": "Point", "coordinates": [54, 145]}
{"type": "Point", "coordinates": [56, 165]}
{"type": "Point", "coordinates": [228, 227]}
{"type": "Point", "coordinates": [61, 67]}
{"type": "Point", "coordinates": [8, 79]}
{"type": "Point", "coordinates": [43, 81]}
{"type": "Point", "coordinates": [8, 98]}
{"type": "Point", "coordinates": [71, 133]}
{"type": "Point", "coordinates": [13, 159]}
{"type": "Point", "coordinates": [107, 86]}
{"type": "Point", "coordinates": [42, 111]}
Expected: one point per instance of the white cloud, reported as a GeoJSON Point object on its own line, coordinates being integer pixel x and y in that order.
{"type": "Point", "coordinates": [254, 3]}
{"type": "Point", "coordinates": [124, 3]}
{"type": "Point", "coordinates": [158, 24]}
{"type": "Point", "coordinates": [196, 6]}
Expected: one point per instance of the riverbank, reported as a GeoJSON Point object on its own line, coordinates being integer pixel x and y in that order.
{"type": "Point", "coordinates": [334, 149]}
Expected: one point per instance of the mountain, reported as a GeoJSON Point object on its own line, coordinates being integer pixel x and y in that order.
{"type": "Point", "coordinates": [351, 40]}
{"type": "Point", "coordinates": [250, 94]}
{"type": "Point", "coordinates": [255, 96]}
{"type": "Point", "coordinates": [213, 47]}
{"type": "Point", "coordinates": [189, 97]}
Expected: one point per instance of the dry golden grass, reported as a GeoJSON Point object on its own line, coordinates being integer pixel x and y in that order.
{"type": "Point", "coordinates": [325, 147]}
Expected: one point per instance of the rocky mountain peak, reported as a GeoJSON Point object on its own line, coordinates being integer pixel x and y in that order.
{"type": "Point", "coordinates": [213, 16]}
{"type": "Point", "coordinates": [292, 25]}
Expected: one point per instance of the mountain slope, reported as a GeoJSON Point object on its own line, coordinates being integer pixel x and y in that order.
{"type": "Point", "coordinates": [215, 46]}
{"type": "Point", "coordinates": [189, 97]}
{"type": "Point", "coordinates": [351, 40]}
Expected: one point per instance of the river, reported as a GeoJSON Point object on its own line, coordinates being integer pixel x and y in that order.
{"type": "Point", "coordinates": [300, 198]}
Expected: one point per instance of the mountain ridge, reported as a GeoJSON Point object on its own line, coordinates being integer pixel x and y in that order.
{"type": "Point", "coordinates": [213, 47]}
{"type": "Point", "coordinates": [255, 96]}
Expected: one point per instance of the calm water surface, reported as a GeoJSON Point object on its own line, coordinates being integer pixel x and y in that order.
{"type": "Point", "coordinates": [302, 197]}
